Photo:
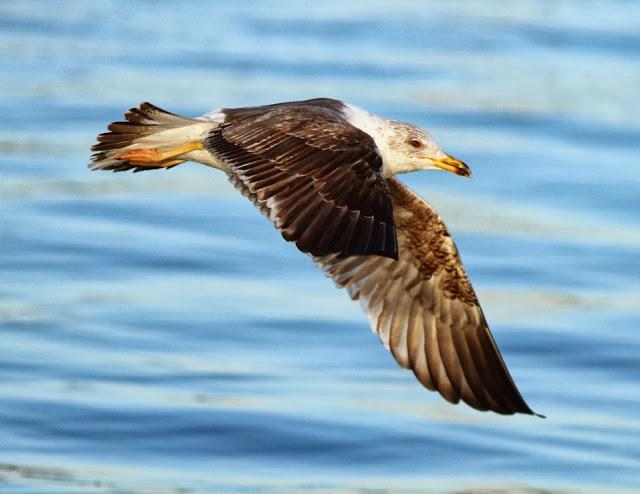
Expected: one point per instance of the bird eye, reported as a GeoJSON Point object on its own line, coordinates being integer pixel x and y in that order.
{"type": "Point", "coordinates": [415, 143]}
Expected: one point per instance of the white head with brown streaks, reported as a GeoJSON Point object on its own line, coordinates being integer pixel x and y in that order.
{"type": "Point", "coordinates": [404, 147]}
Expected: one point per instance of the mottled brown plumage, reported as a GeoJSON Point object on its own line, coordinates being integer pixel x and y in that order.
{"type": "Point", "coordinates": [427, 237]}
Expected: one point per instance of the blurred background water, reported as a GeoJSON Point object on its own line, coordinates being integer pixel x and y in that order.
{"type": "Point", "coordinates": [159, 336]}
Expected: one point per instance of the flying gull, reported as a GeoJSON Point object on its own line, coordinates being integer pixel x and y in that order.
{"type": "Point", "coordinates": [323, 171]}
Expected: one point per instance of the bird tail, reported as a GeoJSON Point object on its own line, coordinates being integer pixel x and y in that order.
{"type": "Point", "coordinates": [150, 138]}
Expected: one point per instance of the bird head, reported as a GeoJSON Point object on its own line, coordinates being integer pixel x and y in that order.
{"type": "Point", "coordinates": [409, 148]}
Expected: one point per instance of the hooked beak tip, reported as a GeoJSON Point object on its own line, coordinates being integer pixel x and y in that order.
{"type": "Point", "coordinates": [454, 165]}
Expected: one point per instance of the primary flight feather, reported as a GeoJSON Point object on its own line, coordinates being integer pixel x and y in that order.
{"type": "Point", "coordinates": [323, 172]}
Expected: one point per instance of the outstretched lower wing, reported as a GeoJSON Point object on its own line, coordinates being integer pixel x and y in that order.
{"type": "Point", "coordinates": [425, 311]}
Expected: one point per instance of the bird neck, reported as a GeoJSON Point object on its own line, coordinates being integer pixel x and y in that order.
{"type": "Point", "coordinates": [381, 130]}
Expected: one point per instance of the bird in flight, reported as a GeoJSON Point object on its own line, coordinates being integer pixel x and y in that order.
{"type": "Point", "coordinates": [323, 171]}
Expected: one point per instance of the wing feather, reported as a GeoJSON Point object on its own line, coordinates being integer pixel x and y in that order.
{"type": "Point", "coordinates": [307, 168]}
{"type": "Point", "coordinates": [426, 312]}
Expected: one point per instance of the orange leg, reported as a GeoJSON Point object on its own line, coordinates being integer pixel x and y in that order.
{"type": "Point", "coordinates": [153, 157]}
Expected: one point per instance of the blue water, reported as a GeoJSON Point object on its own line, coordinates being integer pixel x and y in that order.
{"type": "Point", "coordinates": [158, 336]}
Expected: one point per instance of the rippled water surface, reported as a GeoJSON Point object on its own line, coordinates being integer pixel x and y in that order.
{"type": "Point", "coordinates": [159, 337]}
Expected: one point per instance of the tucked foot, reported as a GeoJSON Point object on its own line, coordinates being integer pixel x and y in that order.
{"type": "Point", "coordinates": [141, 157]}
{"type": "Point", "coordinates": [154, 158]}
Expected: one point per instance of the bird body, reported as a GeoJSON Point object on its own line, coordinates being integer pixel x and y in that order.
{"type": "Point", "coordinates": [323, 171]}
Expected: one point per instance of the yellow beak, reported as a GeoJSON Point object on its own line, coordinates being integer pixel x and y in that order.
{"type": "Point", "coordinates": [452, 164]}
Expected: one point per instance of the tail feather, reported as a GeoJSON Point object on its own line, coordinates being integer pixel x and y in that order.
{"type": "Point", "coordinates": [146, 126]}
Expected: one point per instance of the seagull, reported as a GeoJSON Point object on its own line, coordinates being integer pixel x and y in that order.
{"type": "Point", "coordinates": [323, 171]}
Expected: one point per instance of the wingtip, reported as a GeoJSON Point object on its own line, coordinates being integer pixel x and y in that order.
{"type": "Point", "coordinates": [528, 411]}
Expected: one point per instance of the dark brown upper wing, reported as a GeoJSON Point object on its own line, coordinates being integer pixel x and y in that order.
{"type": "Point", "coordinates": [317, 177]}
{"type": "Point", "coordinates": [425, 311]}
